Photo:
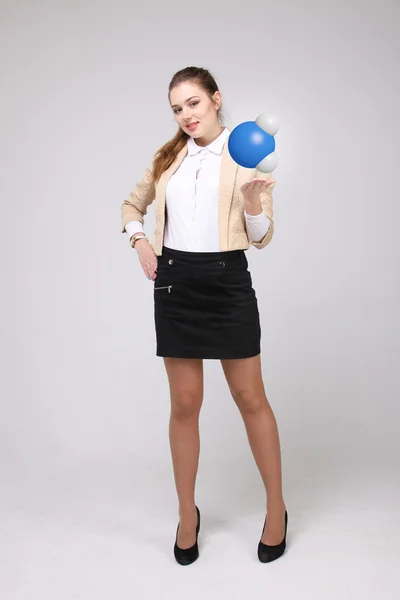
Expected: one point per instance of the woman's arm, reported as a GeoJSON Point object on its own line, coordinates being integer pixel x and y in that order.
{"type": "Point", "coordinates": [256, 225]}
{"type": "Point", "coordinates": [257, 196]}
{"type": "Point", "coordinates": [134, 208]}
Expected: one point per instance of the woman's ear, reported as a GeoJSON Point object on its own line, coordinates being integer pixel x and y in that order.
{"type": "Point", "coordinates": [217, 99]}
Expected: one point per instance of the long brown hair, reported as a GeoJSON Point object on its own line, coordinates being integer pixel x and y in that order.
{"type": "Point", "coordinates": [166, 155]}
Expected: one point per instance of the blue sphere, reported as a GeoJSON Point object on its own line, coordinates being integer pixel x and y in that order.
{"type": "Point", "coordinates": [248, 144]}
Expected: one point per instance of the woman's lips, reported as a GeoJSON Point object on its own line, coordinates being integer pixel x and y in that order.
{"type": "Point", "coordinates": [192, 126]}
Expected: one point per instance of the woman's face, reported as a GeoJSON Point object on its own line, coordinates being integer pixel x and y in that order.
{"type": "Point", "coordinates": [192, 105]}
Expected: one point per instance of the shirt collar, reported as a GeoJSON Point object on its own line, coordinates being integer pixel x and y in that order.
{"type": "Point", "coordinates": [216, 146]}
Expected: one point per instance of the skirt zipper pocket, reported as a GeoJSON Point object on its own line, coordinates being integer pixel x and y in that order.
{"type": "Point", "coordinates": [164, 287]}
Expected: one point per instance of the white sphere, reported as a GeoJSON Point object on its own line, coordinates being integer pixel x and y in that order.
{"type": "Point", "coordinates": [268, 123]}
{"type": "Point", "coordinates": [268, 164]}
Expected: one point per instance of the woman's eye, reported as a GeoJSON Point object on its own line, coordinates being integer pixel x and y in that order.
{"type": "Point", "coordinates": [195, 103]}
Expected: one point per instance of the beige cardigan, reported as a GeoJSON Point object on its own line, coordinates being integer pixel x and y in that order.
{"type": "Point", "coordinates": [232, 225]}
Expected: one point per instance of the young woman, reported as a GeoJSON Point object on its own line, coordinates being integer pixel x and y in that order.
{"type": "Point", "coordinates": [209, 211]}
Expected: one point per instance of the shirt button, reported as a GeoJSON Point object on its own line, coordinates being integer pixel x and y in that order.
{"type": "Point", "coordinates": [222, 264]}
{"type": "Point", "coordinates": [170, 262]}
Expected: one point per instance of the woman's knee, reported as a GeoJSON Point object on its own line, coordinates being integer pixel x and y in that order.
{"type": "Point", "coordinates": [186, 386]}
{"type": "Point", "coordinates": [248, 400]}
{"type": "Point", "coordinates": [245, 382]}
{"type": "Point", "coordinates": [186, 403]}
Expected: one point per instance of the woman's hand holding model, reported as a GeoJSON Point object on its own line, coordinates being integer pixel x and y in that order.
{"type": "Point", "coordinates": [252, 189]}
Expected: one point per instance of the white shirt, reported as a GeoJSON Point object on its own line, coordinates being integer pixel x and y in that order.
{"type": "Point", "coordinates": [192, 193]}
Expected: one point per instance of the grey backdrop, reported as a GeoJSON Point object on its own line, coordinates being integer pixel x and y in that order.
{"type": "Point", "coordinates": [88, 505]}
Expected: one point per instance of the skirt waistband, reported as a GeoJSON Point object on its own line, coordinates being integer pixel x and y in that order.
{"type": "Point", "coordinates": [230, 258]}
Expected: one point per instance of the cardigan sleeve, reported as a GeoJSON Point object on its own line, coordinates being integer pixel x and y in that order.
{"type": "Point", "coordinates": [267, 205]}
{"type": "Point", "coordinates": [134, 208]}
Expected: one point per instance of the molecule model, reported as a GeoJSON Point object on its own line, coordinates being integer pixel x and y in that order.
{"type": "Point", "coordinates": [252, 144]}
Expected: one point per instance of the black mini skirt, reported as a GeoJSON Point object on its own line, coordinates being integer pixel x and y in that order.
{"type": "Point", "coordinates": [205, 306]}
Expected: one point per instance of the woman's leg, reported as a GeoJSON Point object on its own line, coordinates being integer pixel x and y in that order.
{"type": "Point", "coordinates": [186, 390]}
{"type": "Point", "coordinates": [245, 382]}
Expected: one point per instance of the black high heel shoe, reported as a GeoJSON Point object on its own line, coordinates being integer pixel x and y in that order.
{"type": "Point", "coordinates": [269, 553]}
{"type": "Point", "coordinates": [188, 555]}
